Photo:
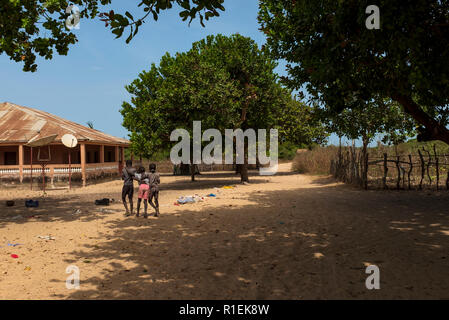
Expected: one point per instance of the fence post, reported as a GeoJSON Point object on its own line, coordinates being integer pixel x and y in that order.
{"type": "Point", "coordinates": [428, 166]}
{"type": "Point", "coordinates": [398, 183]}
{"type": "Point", "coordinates": [410, 170]}
{"type": "Point", "coordinates": [365, 173]}
{"type": "Point", "coordinates": [447, 181]}
{"type": "Point", "coordinates": [422, 169]}
{"type": "Point", "coordinates": [437, 166]}
{"type": "Point", "coordinates": [384, 179]}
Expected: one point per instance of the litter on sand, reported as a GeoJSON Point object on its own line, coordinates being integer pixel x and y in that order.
{"type": "Point", "coordinates": [213, 195]}
{"type": "Point", "coordinates": [190, 199]}
{"type": "Point", "coordinates": [227, 187]}
{"type": "Point", "coordinates": [185, 200]}
{"type": "Point", "coordinates": [103, 202]}
{"type": "Point", "coordinates": [77, 211]}
{"type": "Point", "coordinates": [14, 256]}
{"type": "Point", "coordinates": [46, 237]}
{"type": "Point", "coordinates": [31, 203]}
{"type": "Point", "coordinates": [13, 244]}
{"type": "Point", "coordinates": [106, 211]}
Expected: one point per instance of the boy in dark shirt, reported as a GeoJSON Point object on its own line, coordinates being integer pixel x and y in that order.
{"type": "Point", "coordinates": [154, 182]}
{"type": "Point", "coordinates": [128, 173]}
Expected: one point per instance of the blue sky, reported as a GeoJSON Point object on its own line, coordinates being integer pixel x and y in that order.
{"type": "Point", "coordinates": [88, 83]}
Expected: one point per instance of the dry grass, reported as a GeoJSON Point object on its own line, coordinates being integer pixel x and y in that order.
{"type": "Point", "coordinates": [316, 161]}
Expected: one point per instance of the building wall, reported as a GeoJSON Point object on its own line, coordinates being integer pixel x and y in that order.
{"type": "Point", "coordinates": [60, 154]}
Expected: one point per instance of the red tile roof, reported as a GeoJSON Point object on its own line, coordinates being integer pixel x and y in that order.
{"type": "Point", "coordinates": [20, 124]}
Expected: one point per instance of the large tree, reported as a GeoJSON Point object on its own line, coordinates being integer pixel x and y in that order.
{"type": "Point", "coordinates": [38, 27]}
{"type": "Point", "coordinates": [338, 60]}
{"type": "Point", "coordinates": [225, 82]}
{"type": "Point", "coordinates": [367, 120]}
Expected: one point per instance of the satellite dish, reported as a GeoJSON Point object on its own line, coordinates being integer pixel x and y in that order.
{"type": "Point", "coordinates": [35, 142]}
{"type": "Point", "coordinates": [69, 140]}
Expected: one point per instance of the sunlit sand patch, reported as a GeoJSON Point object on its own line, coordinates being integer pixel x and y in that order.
{"type": "Point", "coordinates": [219, 274]}
{"type": "Point", "coordinates": [404, 222]}
{"type": "Point", "coordinates": [192, 234]}
{"type": "Point", "coordinates": [243, 280]}
{"type": "Point", "coordinates": [435, 225]}
{"type": "Point", "coordinates": [429, 245]}
{"type": "Point", "coordinates": [318, 255]}
{"type": "Point", "coordinates": [401, 229]}
{"type": "Point", "coordinates": [320, 245]}
{"type": "Point", "coordinates": [251, 234]}
{"type": "Point", "coordinates": [307, 234]}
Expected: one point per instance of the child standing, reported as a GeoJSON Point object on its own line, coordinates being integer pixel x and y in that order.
{"type": "Point", "coordinates": [154, 182]}
{"type": "Point", "coordinates": [128, 186]}
{"type": "Point", "coordinates": [144, 188]}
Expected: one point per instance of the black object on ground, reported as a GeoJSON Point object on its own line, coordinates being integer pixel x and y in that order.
{"type": "Point", "coordinates": [31, 203]}
{"type": "Point", "coordinates": [102, 202]}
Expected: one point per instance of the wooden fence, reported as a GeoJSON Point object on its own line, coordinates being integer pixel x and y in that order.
{"type": "Point", "coordinates": [425, 170]}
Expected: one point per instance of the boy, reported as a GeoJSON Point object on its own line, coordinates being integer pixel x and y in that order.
{"type": "Point", "coordinates": [144, 187]}
{"type": "Point", "coordinates": [128, 173]}
{"type": "Point", "coordinates": [154, 182]}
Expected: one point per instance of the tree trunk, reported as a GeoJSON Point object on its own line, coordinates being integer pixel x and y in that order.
{"type": "Point", "coordinates": [192, 166]}
{"type": "Point", "coordinates": [238, 169]}
{"type": "Point", "coordinates": [244, 166]}
{"type": "Point", "coordinates": [433, 129]}
{"type": "Point", "coordinates": [192, 172]}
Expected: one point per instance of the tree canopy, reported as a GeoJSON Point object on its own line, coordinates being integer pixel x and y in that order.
{"type": "Point", "coordinates": [225, 82]}
{"type": "Point", "coordinates": [29, 28]}
{"type": "Point", "coordinates": [370, 119]}
{"type": "Point", "coordinates": [339, 61]}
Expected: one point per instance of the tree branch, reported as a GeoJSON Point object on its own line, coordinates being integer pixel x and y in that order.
{"type": "Point", "coordinates": [433, 129]}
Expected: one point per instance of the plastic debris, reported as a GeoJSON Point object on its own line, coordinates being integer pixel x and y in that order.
{"type": "Point", "coordinates": [212, 195]}
{"type": "Point", "coordinates": [77, 211]}
{"type": "Point", "coordinates": [46, 237]}
{"type": "Point", "coordinates": [31, 203]}
{"type": "Point", "coordinates": [13, 244]}
{"type": "Point", "coordinates": [106, 211]}
{"type": "Point", "coordinates": [14, 256]}
{"type": "Point", "coordinates": [185, 200]}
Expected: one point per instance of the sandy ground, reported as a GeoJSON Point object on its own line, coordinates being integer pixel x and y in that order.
{"type": "Point", "coordinates": [289, 236]}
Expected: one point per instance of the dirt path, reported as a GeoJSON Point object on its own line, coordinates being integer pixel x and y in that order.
{"type": "Point", "coordinates": [284, 237]}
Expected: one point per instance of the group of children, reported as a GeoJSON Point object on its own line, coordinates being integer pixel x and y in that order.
{"type": "Point", "coordinates": [148, 188]}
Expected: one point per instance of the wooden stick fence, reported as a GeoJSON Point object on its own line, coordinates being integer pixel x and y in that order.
{"type": "Point", "coordinates": [411, 171]}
